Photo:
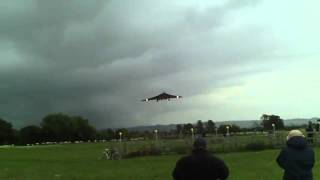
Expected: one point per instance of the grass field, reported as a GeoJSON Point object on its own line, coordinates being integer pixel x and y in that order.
{"type": "Point", "coordinates": [81, 161]}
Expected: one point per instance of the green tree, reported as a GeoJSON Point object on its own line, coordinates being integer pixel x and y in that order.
{"type": "Point", "coordinates": [200, 128]}
{"type": "Point", "coordinates": [30, 135]}
{"type": "Point", "coordinates": [57, 127]}
{"type": "Point", "coordinates": [317, 126]}
{"type": "Point", "coordinates": [6, 132]}
{"type": "Point", "coordinates": [124, 133]}
{"type": "Point", "coordinates": [268, 120]}
{"type": "Point", "coordinates": [61, 127]}
{"type": "Point", "coordinates": [211, 126]}
{"type": "Point", "coordinates": [187, 128]}
{"type": "Point", "coordinates": [222, 129]}
{"type": "Point", "coordinates": [81, 129]}
{"type": "Point", "coordinates": [179, 128]}
{"type": "Point", "coordinates": [232, 128]}
{"type": "Point", "coordinates": [106, 134]}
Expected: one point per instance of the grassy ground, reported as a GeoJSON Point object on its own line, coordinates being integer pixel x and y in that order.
{"type": "Point", "coordinates": [81, 161]}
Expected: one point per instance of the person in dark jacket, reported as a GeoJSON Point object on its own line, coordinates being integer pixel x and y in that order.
{"type": "Point", "coordinates": [310, 132]}
{"type": "Point", "coordinates": [200, 165]}
{"type": "Point", "coordinates": [297, 159]}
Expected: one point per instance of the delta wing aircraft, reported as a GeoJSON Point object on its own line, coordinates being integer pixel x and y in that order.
{"type": "Point", "coordinates": [162, 96]}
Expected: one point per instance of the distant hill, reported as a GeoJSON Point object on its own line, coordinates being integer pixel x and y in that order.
{"type": "Point", "coordinates": [240, 123]}
{"type": "Point", "coordinates": [299, 121]}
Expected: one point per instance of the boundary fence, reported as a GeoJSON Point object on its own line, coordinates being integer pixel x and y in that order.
{"type": "Point", "coordinates": [216, 143]}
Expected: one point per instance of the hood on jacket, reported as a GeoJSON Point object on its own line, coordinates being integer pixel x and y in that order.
{"type": "Point", "coordinates": [297, 142]}
{"type": "Point", "coordinates": [294, 133]}
{"type": "Point", "coordinates": [200, 143]}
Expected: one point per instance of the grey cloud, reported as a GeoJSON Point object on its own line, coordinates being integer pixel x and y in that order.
{"type": "Point", "coordinates": [99, 58]}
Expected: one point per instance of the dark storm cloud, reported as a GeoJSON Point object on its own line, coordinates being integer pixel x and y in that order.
{"type": "Point", "coordinates": [99, 58]}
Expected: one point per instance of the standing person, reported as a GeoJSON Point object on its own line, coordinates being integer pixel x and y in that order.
{"type": "Point", "coordinates": [310, 132]}
{"type": "Point", "coordinates": [200, 165]}
{"type": "Point", "coordinates": [297, 159]}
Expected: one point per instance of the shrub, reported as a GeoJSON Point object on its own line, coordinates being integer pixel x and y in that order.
{"type": "Point", "coordinates": [216, 140]}
{"type": "Point", "coordinates": [256, 146]}
{"type": "Point", "coordinates": [150, 150]}
{"type": "Point", "coordinates": [182, 149]}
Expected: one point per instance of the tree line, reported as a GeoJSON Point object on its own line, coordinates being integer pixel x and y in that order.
{"type": "Point", "coordinates": [53, 128]}
{"type": "Point", "coordinates": [60, 127]}
{"type": "Point", "coordinates": [203, 128]}
{"type": "Point", "coordinates": [267, 123]}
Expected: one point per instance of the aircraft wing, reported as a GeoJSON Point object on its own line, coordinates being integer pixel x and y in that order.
{"type": "Point", "coordinates": [151, 98]}
{"type": "Point", "coordinates": [167, 96]}
{"type": "Point", "coordinates": [163, 96]}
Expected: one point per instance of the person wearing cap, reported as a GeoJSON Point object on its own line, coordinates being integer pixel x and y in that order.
{"type": "Point", "coordinates": [200, 165]}
{"type": "Point", "coordinates": [296, 159]}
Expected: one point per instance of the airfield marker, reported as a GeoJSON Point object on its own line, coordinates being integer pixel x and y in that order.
{"type": "Point", "coordinates": [120, 135]}
{"type": "Point", "coordinates": [156, 134]}
{"type": "Point", "coordinates": [192, 134]}
{"type": "Point", "coordinates": [228, 130]}
{"type": "Point", "coordinates": [274, 128]}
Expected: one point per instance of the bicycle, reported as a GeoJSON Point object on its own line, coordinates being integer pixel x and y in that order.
{"type": "Point", "coordinates": [111, 154]}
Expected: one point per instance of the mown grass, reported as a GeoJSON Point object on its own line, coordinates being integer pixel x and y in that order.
{"type": "Point", "coordinates": [81, 161]}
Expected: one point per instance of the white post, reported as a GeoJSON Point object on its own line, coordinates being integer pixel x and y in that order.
{"type": "Point", "coordinates": [274, 128]}
{"type": "Point", "coordinates": [192, 133]}
{"type": "Point", "coordinates": [120, 136]}
{"type": "Point", "coordinates": [216, 131]}
{"type": "Point", "coordinates": [228, 130]}
{"type": "Point", "coordinates": [156, 134]}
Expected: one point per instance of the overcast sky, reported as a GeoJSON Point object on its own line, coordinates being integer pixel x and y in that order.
{"type": "Point", "coordinates": [231, 60]}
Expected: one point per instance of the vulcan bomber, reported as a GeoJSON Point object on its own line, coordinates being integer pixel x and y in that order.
{"type": "Point", "coordinates": [162, 96]}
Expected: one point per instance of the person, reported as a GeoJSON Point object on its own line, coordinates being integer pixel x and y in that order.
{"type": "Point", "coordinates": [200, 165]}
{"type": "Point", "coordinates": [297, 159]}
{"type": "Point", "coordinates": [310, 132]}
{"type": "Point", "coordinates": [317, 128]}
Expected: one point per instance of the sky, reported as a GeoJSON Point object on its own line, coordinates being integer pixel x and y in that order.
{"type": "Point", "coordinates": [229, 59]}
